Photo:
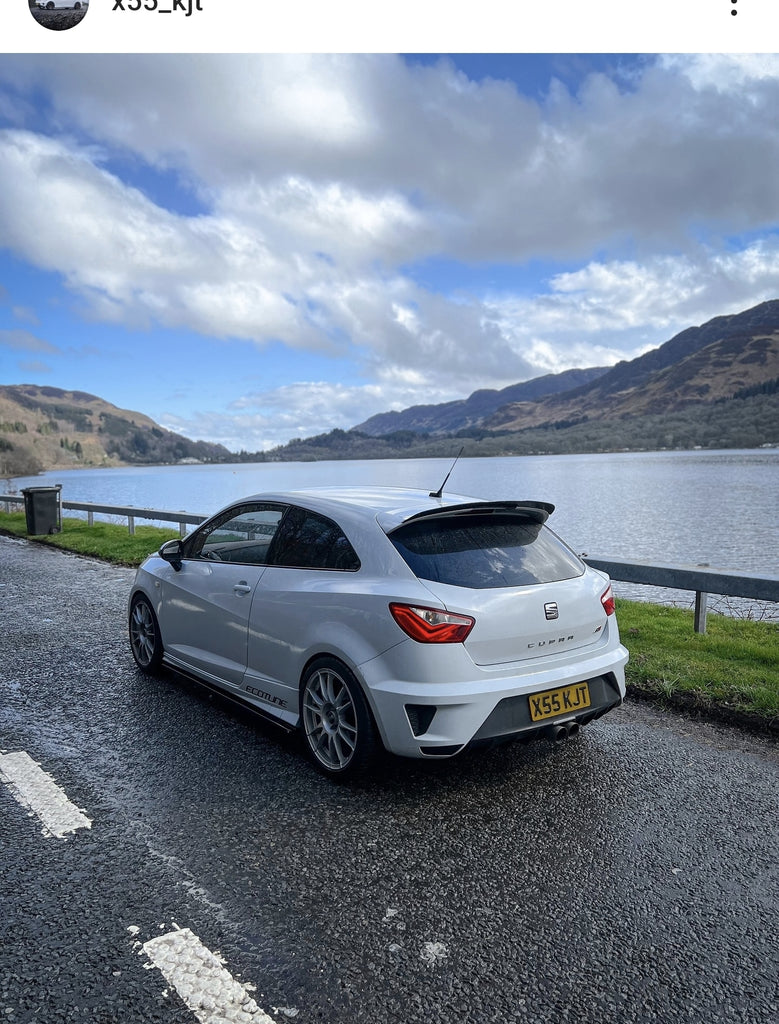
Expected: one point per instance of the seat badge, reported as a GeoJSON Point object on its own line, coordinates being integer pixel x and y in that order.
{"type": "Point", "coordinates": [550, 610]}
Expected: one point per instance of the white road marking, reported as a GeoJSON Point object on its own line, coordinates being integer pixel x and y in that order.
{"type": "Point", "coordinates": [33, 788]}
{"type": "Point", "coordinates": [199, 977]}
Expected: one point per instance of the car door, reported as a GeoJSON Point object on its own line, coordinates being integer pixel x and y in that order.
{"type": "Point", "coordinates": [206, 604]}
{"type": "Point", "coordinates": [307, 583]}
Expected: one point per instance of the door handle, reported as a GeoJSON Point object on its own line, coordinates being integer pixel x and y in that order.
{"type": "Point", "coordinates": [242, 588]}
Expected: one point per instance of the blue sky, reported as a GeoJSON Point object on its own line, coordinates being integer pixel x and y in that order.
{"type": "Point", "coordinates": [254, 248]}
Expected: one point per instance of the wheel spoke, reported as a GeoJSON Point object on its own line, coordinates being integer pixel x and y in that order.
{"type": "Point", "coordinates": [329, 687]}
{"type": "Point", "coordinates": [343, 700]}
{"type": "Point", "coordinates": [339, 753]}
{"type": "Point", "coordinates": [316, 697]}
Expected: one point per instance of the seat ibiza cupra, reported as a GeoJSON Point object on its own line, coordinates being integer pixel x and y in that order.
{"type": "Point", "coordinates": [378, 617]}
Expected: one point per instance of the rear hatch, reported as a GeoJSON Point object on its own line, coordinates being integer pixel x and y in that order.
{"type": "Point", "coordinates": [530, 595]}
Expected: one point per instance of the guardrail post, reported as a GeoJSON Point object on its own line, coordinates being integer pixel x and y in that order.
{"type": "Point", "coordinates": [182, 530]}
{"type": "Point", "coordinates": [131, 525]}
{"type": "Point", "coordinates": [90, 518]}
{"type": "Point", "coordinates": [701, 601]}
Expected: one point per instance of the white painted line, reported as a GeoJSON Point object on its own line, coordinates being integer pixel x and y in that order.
{"type": "Point", "coordinates": [199, 977]}
{"type": "Point", "coordinates": [34, 789]}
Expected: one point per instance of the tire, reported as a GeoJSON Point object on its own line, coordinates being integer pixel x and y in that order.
{"type": "Point", "coordinates": [338, 727]}
{"type": "Point", "coordinates": [145, 638]}
{"type": "Point", "coordinates": [50, 6]}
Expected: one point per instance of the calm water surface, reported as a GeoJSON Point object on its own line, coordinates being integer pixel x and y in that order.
{"type": "Point", "coordinates": [718, 507]}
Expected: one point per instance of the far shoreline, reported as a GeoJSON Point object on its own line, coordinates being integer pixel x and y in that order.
{"type": "Point", "coordinates": [190, 463]}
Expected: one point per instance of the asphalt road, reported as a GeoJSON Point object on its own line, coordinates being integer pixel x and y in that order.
{"type": "Point", "coordinates": [629, 876]}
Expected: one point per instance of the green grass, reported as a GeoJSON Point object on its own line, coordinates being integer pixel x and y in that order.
{"type": "Point", "coordinates": [733, 667]}
{"type": "Point", "coordinates": [108, 541]}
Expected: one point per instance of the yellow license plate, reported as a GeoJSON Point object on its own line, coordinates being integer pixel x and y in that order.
{"type": "Point", "coordinates": [566, 700]}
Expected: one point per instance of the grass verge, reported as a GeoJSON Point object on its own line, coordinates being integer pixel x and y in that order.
{"type": "Point", "coordinates": [107, 541]}
{"type": "Point", "coordinates": [730, 673]}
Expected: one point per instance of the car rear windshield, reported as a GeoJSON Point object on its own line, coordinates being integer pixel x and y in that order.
{"type": "Point", "coordinates": [485, 551]}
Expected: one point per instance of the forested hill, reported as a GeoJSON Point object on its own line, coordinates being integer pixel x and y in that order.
{"type": "Point", "coordinates": [725, 357]}
{"type": "Point", "coordinates": [47, 428]}
{"type": "Point", "coordinates": [449, 417]}
{"type": "Point", "coordinates": [711, 386]}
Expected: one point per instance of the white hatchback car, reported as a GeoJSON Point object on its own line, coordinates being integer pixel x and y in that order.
{"type": "Point", "coordinates": [385, 617]}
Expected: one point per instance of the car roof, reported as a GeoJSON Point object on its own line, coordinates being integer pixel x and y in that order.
{"type": "Point", "coordinates": [393, 506]}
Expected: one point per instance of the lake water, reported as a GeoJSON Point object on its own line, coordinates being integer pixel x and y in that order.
{"type": "Point", "coordinates": [715, 507]}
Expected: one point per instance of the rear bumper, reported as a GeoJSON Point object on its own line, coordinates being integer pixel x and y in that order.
{"type": "Point", "coordinates": [420, 719]}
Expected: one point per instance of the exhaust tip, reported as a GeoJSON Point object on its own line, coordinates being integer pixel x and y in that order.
{"type": "Point", "coordinates": [562, 732]}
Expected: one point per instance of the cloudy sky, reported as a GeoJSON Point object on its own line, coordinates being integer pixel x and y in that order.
{"type": "Point", "coordinates": [250, 249]}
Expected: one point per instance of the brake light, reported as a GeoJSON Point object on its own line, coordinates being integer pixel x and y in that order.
{"type": "Point", "coordinates": [607, 600]}
{"type": "Point", "coordinates": [430, 625]}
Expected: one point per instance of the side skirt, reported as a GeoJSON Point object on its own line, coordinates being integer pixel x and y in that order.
{"type": "Point", "coordinates": [247, 705]}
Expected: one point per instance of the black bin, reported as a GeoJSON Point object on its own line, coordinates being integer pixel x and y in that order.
{"type": "Point", "coordinates": [42, 508]}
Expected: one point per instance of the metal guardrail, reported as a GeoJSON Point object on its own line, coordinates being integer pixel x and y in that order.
{"type": "Point", "coordinates": [702, 579]}
{"type": "Point", "coordinates": [130, 512]}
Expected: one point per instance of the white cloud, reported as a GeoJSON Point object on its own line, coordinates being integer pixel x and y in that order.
{"type": "Point", "coordinates": [35, 368]}
{"type": "Point", "coordinates": [24, 341]}
{"type": "Point", "coordinates": [261, 420]}
{"type": "Point", "coordinates": [494, 174]}
{"type": "Point", "coordinates": [724, 72]}
{"type": "Point", "coordinates": [134, 262]}
{"type": "Point", "coordinates": [25, 314]}
{"type": "Point", "coordinates": [614, 310]}
{"type": "Point", "coordinates": [327, 182]}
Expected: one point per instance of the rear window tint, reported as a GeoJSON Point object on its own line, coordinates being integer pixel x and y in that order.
{"type": "Point", "coordinates": [485, 551]}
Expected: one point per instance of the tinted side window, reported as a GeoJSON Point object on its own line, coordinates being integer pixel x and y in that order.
{"type": "Point", "coordinates": [309, 541]}
{"type": "Point", "coordinates": [243, 534]}
{"type": "Point", "coordinates": [484, 551]}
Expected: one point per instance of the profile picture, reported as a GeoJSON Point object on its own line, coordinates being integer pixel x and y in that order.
{"type": "Point", "coordinates": [58, 15]}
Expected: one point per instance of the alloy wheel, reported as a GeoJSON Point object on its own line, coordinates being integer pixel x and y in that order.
{"type": "Point", "coordinates": [144, 636]}
{"type": "Point", "coordinates": [330, 719]}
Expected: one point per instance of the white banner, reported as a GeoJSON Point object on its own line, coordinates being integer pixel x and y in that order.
{"type": "Point", "coordinates": [452, 26]}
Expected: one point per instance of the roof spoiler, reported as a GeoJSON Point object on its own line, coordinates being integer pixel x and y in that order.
{"type": "Point", "coordinates": [536, 511]}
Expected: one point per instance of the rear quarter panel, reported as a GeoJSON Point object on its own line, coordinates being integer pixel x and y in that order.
{"type": "Point", "coordinates": [298, 614]}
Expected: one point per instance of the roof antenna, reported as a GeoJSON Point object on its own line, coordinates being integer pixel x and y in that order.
{"type": "Point", "coordinates": [440, 491]}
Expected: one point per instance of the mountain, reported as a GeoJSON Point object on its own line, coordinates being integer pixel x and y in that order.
{"type": "Point", "coordinates": [48, 428]}
{"type": "Point", "coordinates": [712, 386]}
{"type": "Point", "coordinates": [449, 417]}
{"type": "Point", "coordinates": [716, 385]}
{"type": "Point", "coordinates": [719, 360]}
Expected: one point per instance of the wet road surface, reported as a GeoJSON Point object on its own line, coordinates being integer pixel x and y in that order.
{"type": "Point", "coordinates": [632, 875]}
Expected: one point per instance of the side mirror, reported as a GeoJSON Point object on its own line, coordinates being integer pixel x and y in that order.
{"type": "Point", "coordinates": [171, 551]}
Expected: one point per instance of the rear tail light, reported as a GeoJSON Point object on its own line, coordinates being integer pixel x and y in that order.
{"type": "Point", "coordinates": [607, 600]}
{"type": "Point", "coordinates": [430, 625]}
